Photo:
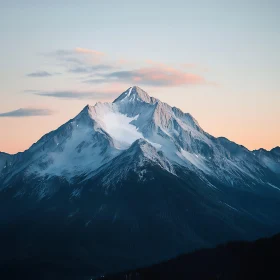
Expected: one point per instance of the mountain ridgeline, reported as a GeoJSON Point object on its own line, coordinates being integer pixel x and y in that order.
{"type": "Point", "coordinates": [131, 183]}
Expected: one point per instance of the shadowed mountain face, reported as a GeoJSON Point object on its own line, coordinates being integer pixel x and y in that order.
{"type": "Point", "coordinates": [131, 183]}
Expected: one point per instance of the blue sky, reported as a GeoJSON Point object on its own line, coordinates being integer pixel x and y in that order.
{"type": "Point", "coordinates": [218, 60]}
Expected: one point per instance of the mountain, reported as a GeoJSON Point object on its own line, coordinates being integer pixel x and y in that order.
{"type": "Point", "coordinates": [5, 161]}
{"type": "Point", "coordinates": [131, 183]}
{"type": "Point", "coordinates": [235, 260]}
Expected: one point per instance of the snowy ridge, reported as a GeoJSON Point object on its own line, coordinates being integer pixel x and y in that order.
{"type": "Point", "coordinates": [102, 132]}
{"type": "Point", "coordinates": [140, 154]}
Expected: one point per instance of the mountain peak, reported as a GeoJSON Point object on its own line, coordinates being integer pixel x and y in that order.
{"type": "Point", "coordinates": [142, 143]}
{"type": "Point", "coordinates": [86, 108]}
{"type": "Point", "coordinates": [133, 94]}
{"type": "Point", "coordinates": [275, 150]}
{"type": "Point", "coordinates": [142, 151]}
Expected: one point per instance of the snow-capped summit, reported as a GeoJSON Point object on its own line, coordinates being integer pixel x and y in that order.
{"type": "Point", "coordinates": [134, 94]}
{"type": "Point", "coordinates": [101, 132]}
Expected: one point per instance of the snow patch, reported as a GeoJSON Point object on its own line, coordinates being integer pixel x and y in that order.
{"type": "Point", "coordinates": [119, 127]}
{"type": "Point", "coordinates": [195, 160]}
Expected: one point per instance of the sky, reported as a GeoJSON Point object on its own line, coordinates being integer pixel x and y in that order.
{"type": "Point", "coordinates": [218, 60]}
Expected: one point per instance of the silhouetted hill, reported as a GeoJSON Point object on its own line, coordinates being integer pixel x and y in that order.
{"type": "Point", "coordinates": [232, 261]}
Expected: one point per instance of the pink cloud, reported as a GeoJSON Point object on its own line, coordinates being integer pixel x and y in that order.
{"type": "Point", "coordinates": [137, 79]}
{"type": "Point", "coordinates": [153, 76]}
{"type": "Point", "coordinates": [88, 51]}
{"type": "Point", "coordinates": [168, 76]}
{"type": "Point", "coordinates": [105, 71]}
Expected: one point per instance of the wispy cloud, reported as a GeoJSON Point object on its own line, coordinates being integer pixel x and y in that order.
{"type": "Point", "coordinates": [88, 51]}
{"type": "Point", "coordinates": [82, 61]}
{"type": "Point", "coordinates": [27, 112]}
{"type": "Point", "coordinates": [91, 69]}
{"type": "Point", "coordinates": [39, 74]}
{"type": "Point", "coordinates": [152, 76]}
{"type": "Point", "coordinates": [103, 71]}
{"type": "Point", "coordinates": [77, 52]}
{"type": "Point", "coordinates": [69, 94]}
